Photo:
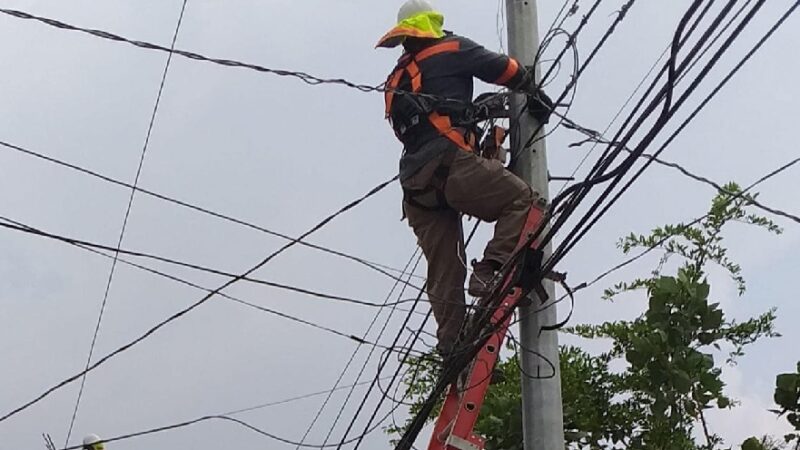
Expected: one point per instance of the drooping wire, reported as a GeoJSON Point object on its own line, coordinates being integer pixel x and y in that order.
{"type": "Point", "coordinates": [733, 196]}
{"type": "Point", "coordinates": [22, 227]}
{"type": "Point", "coordinates": [408, 348]}
{"type": "Point", "coordinates": [403, 360]}
{"type": "Point", "coordinates": [233, 420]}
{"type": "Point", "coordinates": [302, 76]}
{"type": "Point", "coordinates": [193, 306]}
{"type": "Point", "coordinates": [380, 268]}
{"type": "Point", "coordinates": [125, 222]}
{"type": "Point", "coordinates": [291, 399]}
{"type": "Point", "coordinates": [16, 225]}
{"type": "Point", "coordinates": [418, 257]}
{"type": "Point", "coordinates": [598, 138]}
{"type": "Point", "coordinates": [724, 47]}
{"type": "Point", "coordinates": [578, 192]}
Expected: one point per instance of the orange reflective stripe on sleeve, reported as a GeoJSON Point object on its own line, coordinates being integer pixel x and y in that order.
{"type": "Point", "coordinates": [444, 47]}
{"type": "Point", "coordinates": [445, 128]}
{"type": "Point", "coordinates": [511, 69]}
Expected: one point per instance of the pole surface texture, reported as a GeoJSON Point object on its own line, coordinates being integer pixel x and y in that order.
{"type": "Point", "coordinates": [542, 416]}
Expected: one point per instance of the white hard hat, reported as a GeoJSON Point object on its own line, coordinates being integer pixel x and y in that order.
{"type": "Point", "coordinates": [413, 7]}
{"type": "Point", "coordinates": [91, 439]}
{"type": "Point", "coordinates": [93, 442]}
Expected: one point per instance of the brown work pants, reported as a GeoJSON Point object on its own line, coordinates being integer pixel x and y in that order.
{"type": "Point", "coordinates": [477, 187]}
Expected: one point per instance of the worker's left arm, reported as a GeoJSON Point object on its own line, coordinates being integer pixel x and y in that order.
{"type": "Point", "coordinates": [503, 70]}
{"type": "Point", "coordinates": [492, 67]}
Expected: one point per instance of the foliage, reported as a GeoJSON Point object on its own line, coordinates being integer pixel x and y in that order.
{"type": "Point", "coordinates": [787, 397]}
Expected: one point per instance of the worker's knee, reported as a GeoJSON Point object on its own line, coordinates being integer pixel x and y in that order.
{"type": "Point", "coordinates": [524, 197]}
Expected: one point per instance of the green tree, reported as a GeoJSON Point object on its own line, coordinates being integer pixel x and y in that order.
{"type": "Point", "coordinates": [670, 376]}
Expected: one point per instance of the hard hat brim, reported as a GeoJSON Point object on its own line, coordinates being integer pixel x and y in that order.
{"type": "Point", "coordinates": [398, 34]}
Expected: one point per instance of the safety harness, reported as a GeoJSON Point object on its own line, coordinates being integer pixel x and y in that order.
{"type": "Point", "coordinates": [423, 111]}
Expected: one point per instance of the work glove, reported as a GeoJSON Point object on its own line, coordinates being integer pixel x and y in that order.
{"type": "Point", "coordinates": [540, 106]}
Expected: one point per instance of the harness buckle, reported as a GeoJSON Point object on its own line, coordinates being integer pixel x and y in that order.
{"type": "Point", "coordinates": [414, 121]}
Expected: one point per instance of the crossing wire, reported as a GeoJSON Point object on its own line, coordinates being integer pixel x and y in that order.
{"type": "Point", "coordinates": [579, 234]}
{"type": "Point", "coordinates": [292, 399]}
{"type": "Point", "coordinates": [403, 361]}
{"type": "Point", "coordinates": [650, 248]}
{"type": "Point", "coordinates": [125, 221]}
{"type": "Point", "coordinates": [705, 101]}
{"type": "Point", "coordinates": [662, 100]}
{"type": "Point", "coordinates": [226, 417]}
{"type": "Point", "coordinates": [16, 225]}
{"type": "Point", "coordinates": [302, 76]}
{"type": "Point", "coordinates": [598, 138]}
{"type": "Point", "coordinates": [22, 227]}
{"type": "Point", "coordinates": [377, 267]}
{"type": "Point", "coordinates": [347, 365]}
{"type": "Point", "coordinates": [199, 302]}
{"type": "Point", "coordinates": [369, 356]}
{"type": "Point", "coordinates": [229, 419]}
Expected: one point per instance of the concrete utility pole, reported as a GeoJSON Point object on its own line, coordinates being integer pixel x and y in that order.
{"type": "Point", "coordinates": [542, 416]}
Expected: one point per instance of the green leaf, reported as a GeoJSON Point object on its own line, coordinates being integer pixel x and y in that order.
{"type": "Point", "coordinates": [794, 419]}
{"type": "Point", "coordinates": [681, 381]}
{"type": "Point", "coordinates": [705, 338]}
{"type": "Point", "coordinates": [702, 290]}
{"type": "Point", "coordinates": [713, 320]}
{"type": "Point", "coordinates": [752, 444]}
{"type": "Point", "coordinates": [788, 382]}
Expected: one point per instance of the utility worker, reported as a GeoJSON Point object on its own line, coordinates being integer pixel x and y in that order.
{"type": "Point", "coordinates": [93, 442]}
{"type": "Point", "coordinates": [427, 94]}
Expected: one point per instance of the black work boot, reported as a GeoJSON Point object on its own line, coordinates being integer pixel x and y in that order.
{"type": "Point", "coordinates": [483, 277]}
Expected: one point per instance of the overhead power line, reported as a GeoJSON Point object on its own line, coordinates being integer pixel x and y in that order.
{"type": "Point", "coordinates": [598, 138]}
{"type": "Point", "coordinates": [233, 420]}
{"type": "Point", "coordinates": [237, 300]}
{"type": "Point", "coordinates": [664, 101]}
{"type": "Point", "coordinates": [227, 417]}
{"type": "Point", "coordinates": [650, 248]}
{"type": "Point", "coordinates": [199, 302]}
{"type": "Point", "coordinates": [413, 266]}
{"type": "Point", "coordinates": [380, 268]}
{"type": "Point", "coordinates": [723, 48]}
{"type": "Point", "coordinates": [125, 220]}
{"type": "Point", "coordinates": [293, 399]}
{"type": "Point", "coordinates": [16, 225]}
{"type": "Point", "coordinates": [302, 76]}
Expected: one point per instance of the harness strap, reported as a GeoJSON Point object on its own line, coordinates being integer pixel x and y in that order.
{"type": "Point", "coordinates": [408, 63]}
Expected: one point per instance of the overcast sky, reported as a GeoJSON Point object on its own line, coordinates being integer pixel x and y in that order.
{"type": "Point", "coordinates": [282, 154]}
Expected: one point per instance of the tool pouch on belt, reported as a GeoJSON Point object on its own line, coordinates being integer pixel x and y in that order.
{"type": "Point", "coordinates": [432, 197]}
{"type": "Point", "coordinates": [492, 146]}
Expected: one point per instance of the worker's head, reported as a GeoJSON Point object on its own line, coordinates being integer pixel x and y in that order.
{"type": "Point", "coordinates": [417, 19]}
{"type": "Point", "coordinates": [93, 442]}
